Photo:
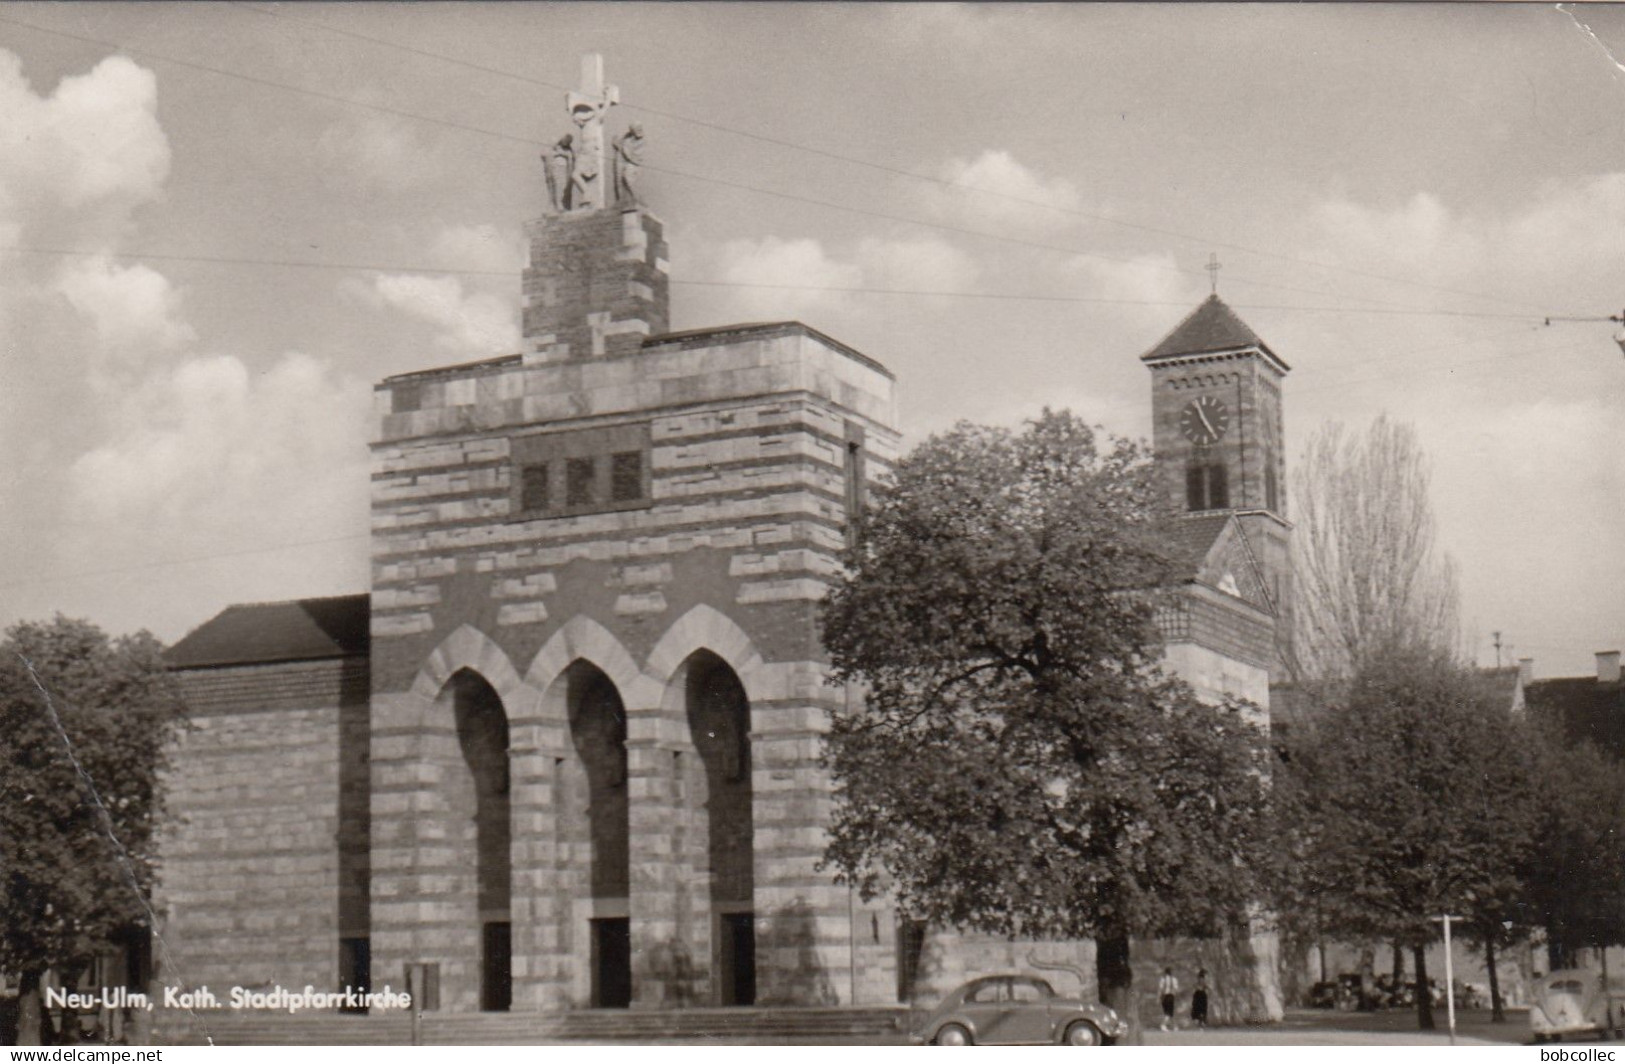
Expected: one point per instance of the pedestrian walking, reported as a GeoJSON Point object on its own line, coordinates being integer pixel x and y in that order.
{"type": "Point", "coordinates": [1168, 988]}
{"type": "Point", "coordinates": [1199, 999]}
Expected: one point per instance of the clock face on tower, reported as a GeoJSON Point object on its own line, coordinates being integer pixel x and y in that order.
{"type": "Point", "coordinates": [1204, 419]}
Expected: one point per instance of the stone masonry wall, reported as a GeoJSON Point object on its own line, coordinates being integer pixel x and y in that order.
{"type": "Point", "coordinates": [729, 553]}
{"type": "Point", "coordinates": [264, 855]}
{"type": "Point", "coordinates": [596, 285]}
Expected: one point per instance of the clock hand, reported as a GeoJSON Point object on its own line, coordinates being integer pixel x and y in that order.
{"type": "Point", "coordinates": [1206, 423]}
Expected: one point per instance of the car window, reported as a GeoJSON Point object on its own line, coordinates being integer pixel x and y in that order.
{"type": "Point", "coordinates": [986, 993]}
{"type": "Point", "coordinates": [1028, 990]}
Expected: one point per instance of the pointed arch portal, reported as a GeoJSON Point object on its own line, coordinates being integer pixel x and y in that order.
{"type": "Point", "coordinates": [719, 724]}
{"type": "Point", "coordinates": [600, 815]}
{"type": "Point", "coordinates": [482, 736]}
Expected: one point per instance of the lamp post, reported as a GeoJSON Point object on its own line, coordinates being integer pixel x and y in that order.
{"type": "Point", "coordinates": [1449, 976]}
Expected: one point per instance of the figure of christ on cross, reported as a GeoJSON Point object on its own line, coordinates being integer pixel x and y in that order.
{"type": "Point", "coordinates": [588, 106]}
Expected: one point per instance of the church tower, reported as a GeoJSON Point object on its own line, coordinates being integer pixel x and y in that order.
{"type": "Point", "coordinates": [597, 688]}
{"type": "Point", "coordinates": [1218, 435]}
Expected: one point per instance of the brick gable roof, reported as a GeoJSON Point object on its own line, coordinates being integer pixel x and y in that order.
{"type": "Point", "coordinates": [263, 632]}
{"type": "Point", "coordinates": [1192, 539]}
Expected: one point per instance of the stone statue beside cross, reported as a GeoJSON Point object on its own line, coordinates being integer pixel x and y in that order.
{"type": "Point", "coordinates": [581, 175]}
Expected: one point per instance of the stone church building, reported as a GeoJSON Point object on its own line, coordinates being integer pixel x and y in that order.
{"type": "Point", "coordinates": [565, 754]}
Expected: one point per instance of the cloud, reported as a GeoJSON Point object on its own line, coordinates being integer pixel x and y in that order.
{"type": "Point", "coordinates": [95, 140]}
{"type": "Point", "coordinates": [134, 308]}
{"type": "Point", "coordinates": [76, 162]}
{"type": "Point", "coordinates": [1527, 253]}
{"type": "Point", "coordinates": [1520, 421]}
{"type": "Point", "coordinates": [926, 264]}
{"type": "Point", "coordinates": [74, 165]}
{"type": "Point", "coordinates": [1568, 223]}
{"type": "Point", "coordinates": [207, 455]}
{"type": "Point", "coordinates": [771, 261]}
{"type": "Point", "coordinates": [1140, 279]}
{"type": "Point", "coordinates": [802, 274]}
{"type": "Point", "coordinates": [130, 447]}
{"type": "Point", "coordinates": [476, 324]}
{"type": "Point", "coordinates": [775, 278]}
{"type": "Point", "coordinates": [381, 152]}
{"type": "Point", "coordinates": [477, 247]}
{"type": "Point", "coordinates": [1420, 239]}
{"type": "Point", "coordinates": [997, 188]}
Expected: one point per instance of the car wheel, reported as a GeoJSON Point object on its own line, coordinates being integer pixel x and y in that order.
{"type": "Point", "coordinates": [1083, 1033]}
{"type": "Point", "coordinates": [953, 1035]}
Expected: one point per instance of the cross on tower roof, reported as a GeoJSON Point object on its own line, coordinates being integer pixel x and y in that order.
{"type": "Point", "coordinates": [1212, 269]}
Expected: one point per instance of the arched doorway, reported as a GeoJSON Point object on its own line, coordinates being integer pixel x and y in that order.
{"type": "Point", "coordinates": [598, 733]}
{"type": "Point", "coordinates": [482, 735]}
{"type": "Point", "coordinates": [719, 724]}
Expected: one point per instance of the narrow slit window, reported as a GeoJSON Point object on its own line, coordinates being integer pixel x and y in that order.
{"type": "Point", "coordinates": [852, 476]}
{"type": "Point", "coordinates": [533, 489]}
{"type": "Point", "coordinates": [1218, 492]}
{"type": "Point", "coordinates": [626, 476]}
{"type": "Point", "coordinates": [1206, 486]}
{"type": "Point", "coordinates": [578, 482]}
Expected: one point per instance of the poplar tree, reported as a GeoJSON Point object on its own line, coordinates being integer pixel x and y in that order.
{"type": "Point", "coordinates": [1369, 573]}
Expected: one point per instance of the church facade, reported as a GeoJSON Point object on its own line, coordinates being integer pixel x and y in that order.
{"type": "Point", "coordinates": [565, 754]}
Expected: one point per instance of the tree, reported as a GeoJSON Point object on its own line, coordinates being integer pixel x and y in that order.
{"type": "Point", "coordinates": [1575, 884]}
{"type": "Point", "coordinates": [1020, 765]}
{"type": "Point", "coordinates": [84, 724]}
{"type": "Point", "coordinates": [1411, 798]}
{"type": "Point", "coordinates": [1367, 570]}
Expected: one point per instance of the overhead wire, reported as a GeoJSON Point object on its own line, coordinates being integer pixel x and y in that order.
{"type": "Point", "coordinates": [942, 182]}
{"type": "Point", "coordinates": [375, 267]}
{"type": "Point", "coordinates": [66, 578]}
{"type": "Point", "coordinates": [1387, 308]}
{"type": "Point", "coordinates": [671, 171]}
{"type": "Point", "coordinates": [1560, 349]}
{"type": "Point", "coordinates": [167, 563]}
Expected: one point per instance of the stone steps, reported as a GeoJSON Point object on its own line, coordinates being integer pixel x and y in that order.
{"type": "Point", "coordinates": [767, 1026]}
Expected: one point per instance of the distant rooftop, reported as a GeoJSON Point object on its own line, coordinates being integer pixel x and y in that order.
{"type": "Point", "coordinates": [1589, 709]}
{"type": "Point", "coordinates": [263, 632]}
{"type": "Point", "coordinates": [460, 369]}
{"type": "Point", "coordinates": [1211, 328]}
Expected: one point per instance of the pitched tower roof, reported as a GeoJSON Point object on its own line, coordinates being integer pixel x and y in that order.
{"type": "Point", "coordinates": [1210, 329]}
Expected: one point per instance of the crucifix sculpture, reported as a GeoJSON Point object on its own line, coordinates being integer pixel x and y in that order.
{"type": "Point", "coordinates": [588, 105]}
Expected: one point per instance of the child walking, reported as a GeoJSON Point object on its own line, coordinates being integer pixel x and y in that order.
{"type": "Point", "coordinates": [1168, 987]}
{"type": "Point", "coordinates": [1199, 999]}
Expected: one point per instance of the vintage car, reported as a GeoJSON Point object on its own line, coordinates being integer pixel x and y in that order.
{"type": "Point", "coordinates": [1017, 1009]}
{"type": "Point", "coordinates": [1575, 1001]}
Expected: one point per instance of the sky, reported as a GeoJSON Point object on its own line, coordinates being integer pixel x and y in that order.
{"type": "Point", "coordinates": [221, 224]}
